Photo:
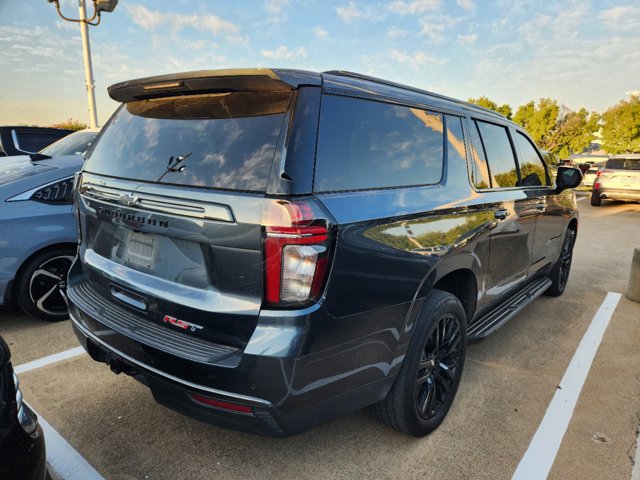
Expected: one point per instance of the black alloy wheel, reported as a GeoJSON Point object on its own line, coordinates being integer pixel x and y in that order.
{"type": "Point", "coordinates": [438, 367]}
{"type": "Point", "coordinates": [428, 380]}
{"type": "Point", "coordinates": [42, 281]}
{"type": "Point", "coordinates": [561, 270]}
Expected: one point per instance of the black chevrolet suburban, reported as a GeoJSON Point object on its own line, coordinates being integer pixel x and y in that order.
{"type": "Point", "coordinates": [270, 249]}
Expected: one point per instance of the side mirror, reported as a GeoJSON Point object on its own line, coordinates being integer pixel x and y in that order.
{"type": "Point", "coordinates": [567, 177]}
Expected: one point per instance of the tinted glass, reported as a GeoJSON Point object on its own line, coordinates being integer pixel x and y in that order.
{"type": "Point", "coordinates": [215, 140]}
{"type": "Point", "coordinates": [34, 142]}
{"type": "Point", "coordinates": [624, 163]}
{"type": "Point", "coordinates": [73, 144]}
{"type": "Point", "coordinates": [365, 144]}
{"type": "Point", "coordinates": [499, 155]}
{"type": "Point", "coordinates": [532, 169]}
{"type": "Point", "coordinates": [480, 170]}
{"type": "Point", "coordinates": [456, 151]}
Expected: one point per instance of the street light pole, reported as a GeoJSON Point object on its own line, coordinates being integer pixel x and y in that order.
{"type": "Point", "coordinates": [88, 69]}
{"type": "Point", "coordinates": [99, 6]}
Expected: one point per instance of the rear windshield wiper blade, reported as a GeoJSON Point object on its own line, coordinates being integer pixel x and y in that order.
{"type": "Point", "coordinates": [174, 165]}
{"type": "Point", "coordinates": [38, 156]}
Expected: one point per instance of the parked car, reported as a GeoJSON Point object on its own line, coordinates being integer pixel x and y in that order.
{"type": "Point", "coordinates": [590, 176]}
{"type": "Point", "coordinates": [618, 180]}
{"type": "Point", "coordinates": [270, 249]}
{"type": "Point", "coordinates": [38, 236]}
{"type": "Point", "coordinates": [23, 140]}
{"type": "Point", "coordinates": [22, 447]}
{"type": "Point", "coordinates": [76, 143]}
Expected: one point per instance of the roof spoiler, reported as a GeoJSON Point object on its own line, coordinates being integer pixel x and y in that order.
{"type": "Point", "coordinates": [205, 81]}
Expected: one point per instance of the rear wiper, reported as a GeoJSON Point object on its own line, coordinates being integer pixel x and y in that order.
{"type": "Point", "coordinates": [174, 165]}
{"type": "Point", "coordinates": [38, 156]}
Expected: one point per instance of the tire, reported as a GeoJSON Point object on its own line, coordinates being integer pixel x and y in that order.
{"type": "Point", "coordinates": [427, 383]}
{"type": "Point", "coordinates": [40, 281]}
{"type": "Point", "coordinates": [560, 272]}
{"type": "Point", "coordinates": [596, 201]}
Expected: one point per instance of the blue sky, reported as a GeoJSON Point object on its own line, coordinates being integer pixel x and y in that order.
{"type": "Point", "coordinates": [581, 53]}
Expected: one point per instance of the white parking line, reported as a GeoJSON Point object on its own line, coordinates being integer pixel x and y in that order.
{"type": "Point", "coordinates": [579, 199]}
{"type": "Point", "coordinates": [539, 457]}
{"type": "Point", "coordinates": [63, 460]}
{"type": "Point", "coordinates": [49, 359]}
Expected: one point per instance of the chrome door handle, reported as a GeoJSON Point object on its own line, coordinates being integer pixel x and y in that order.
{"type": "Point", "coordinates": [501, 214]}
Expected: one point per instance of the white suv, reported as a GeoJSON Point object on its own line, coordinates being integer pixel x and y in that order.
{"type": "Point", "coordinates": [618, 180]}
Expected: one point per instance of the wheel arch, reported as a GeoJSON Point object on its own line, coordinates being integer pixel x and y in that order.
{"type": "Point", "coordinates": [458, 275]}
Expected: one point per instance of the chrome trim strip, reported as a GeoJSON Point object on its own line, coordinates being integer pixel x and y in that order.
{"type": "Point", "coordinates": [168, 376]}
{"type": "Point", "coordinates": [154, 203]}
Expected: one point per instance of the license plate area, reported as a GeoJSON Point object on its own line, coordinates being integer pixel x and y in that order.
{"type": "Point", "coordinates": [141, 250]}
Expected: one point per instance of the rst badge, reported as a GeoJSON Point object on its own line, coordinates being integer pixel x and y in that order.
{"type": "Point", "coordinates": [181, 323]}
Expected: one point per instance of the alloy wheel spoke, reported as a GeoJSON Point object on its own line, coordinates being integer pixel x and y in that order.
{"type": "Point", "coordinates": [46, 273]}
{"type": "Point", "coordinates": [423, 405]}
{"type": "Point", "coordinates": [441, 382]}
{"type": "Point", "coordinates": [43, 298]}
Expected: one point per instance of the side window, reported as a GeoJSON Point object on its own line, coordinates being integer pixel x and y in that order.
{"type": "Point", "coordinates": [532, 169]}
{"type": "Point", "coordinates": [456, 152]}
{"type": "Point", "coordinates": [502, 163]}
{"type": "Point", "coordinates": [34, 141]}
{"type": "Point", "coordinates": [480, 169]}
{"type": "Point", "coordinates": [365, 144]}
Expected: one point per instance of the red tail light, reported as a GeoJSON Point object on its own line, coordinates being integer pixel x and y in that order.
{"type": "Point", "coordinates": [296, 251]}
{"type": "Point", "coordinates": [232, 407]}
{"type": "Point", "coordinates": [596, 186]}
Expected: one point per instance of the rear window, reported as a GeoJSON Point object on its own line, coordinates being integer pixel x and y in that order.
{"type": "Point", "coordinates": [223, 141]}
{"type": "Point", "coordinates": [364, 144]}
{"type": "Point", "coordinates": [624, 163]}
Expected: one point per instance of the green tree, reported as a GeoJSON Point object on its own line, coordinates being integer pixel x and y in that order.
{"type": "Point", "coordinates": [573, 133]}
{"type": "Point", "coordinates": [71, 124]}
{"type": "Point", "coordinates": [553, 129]}
{"type": "Point", "coordinates": [621, 129]}
{"type": "Point", "coordinates": [539, 119]}
{"type": "Point", "coordinates": [486, 102]}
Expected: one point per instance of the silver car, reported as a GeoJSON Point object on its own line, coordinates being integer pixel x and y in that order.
{"type": "Point", "coordinates": [618, 180]}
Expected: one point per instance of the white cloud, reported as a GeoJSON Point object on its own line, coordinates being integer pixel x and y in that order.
{"type": "Point", "coordinates": [352, 11]}
{"type": "Point", "coordinates": [396, 32]}
{"type": "Point", "coordinates": [465, 4]}
{"type": "Point", "coordinates": [416, 60]}
{"type": "Point", "coordinates": [275, 6]}
{"type": "Point", "coordinates": [434, 27]}
{"type": "Point", "coordinates": [284, 53]}
{"type": "Point", "coordinates": [414, 7]}
{"type": "Point", "coordinates": [624, 18]}
{"type": "Point", "coordinates": [150, 20]}
{"type": "Point", "coordinates": [467, 39]}
{"type": "Point", "coordinates": [320, 32]}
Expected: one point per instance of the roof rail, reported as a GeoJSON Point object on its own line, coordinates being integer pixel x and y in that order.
{"type": "Point", "coordinates": [345, 73]}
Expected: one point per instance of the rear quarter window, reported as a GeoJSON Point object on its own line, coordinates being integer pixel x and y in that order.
{"type": "Point", "coordinates": [225, 141]}
{"type": "Point", "coordinates": [364, 144]}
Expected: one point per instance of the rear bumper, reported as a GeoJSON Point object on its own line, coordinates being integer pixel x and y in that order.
{"type": "Point", "coordinates": [619, 193]}
{"type": "Point", "coordinates": [262, 382]}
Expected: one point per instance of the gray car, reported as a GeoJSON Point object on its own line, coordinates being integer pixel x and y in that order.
{"type": "Point", "coordinates": [618, 180]}
{"type": "Point", "coordinates": [38, 238]}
